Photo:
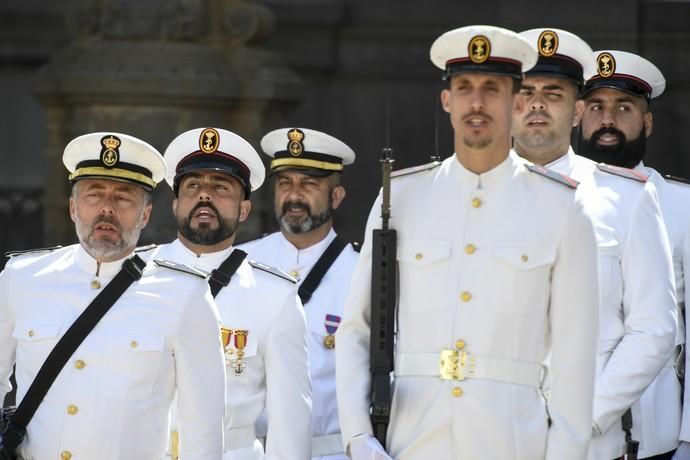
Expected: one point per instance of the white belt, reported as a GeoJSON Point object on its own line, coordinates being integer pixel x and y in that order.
{"type": "Point", "coordinates": [460, 365]}
{"type": "Point", "coordinates": [328, 444]}
{"type": "Point", "coordinates": [237, 438]}
{"type": "Point", "coordinates": [321, 446]}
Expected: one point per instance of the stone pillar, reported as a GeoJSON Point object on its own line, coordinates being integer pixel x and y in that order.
{"type": "Point", "coordinates": [154, 69]}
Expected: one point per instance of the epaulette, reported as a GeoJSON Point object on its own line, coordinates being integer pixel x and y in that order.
{"type": "Point", "coordinates": [682, 180]}
{"type": "Point", "coordinates": [31, 251]}
{"type": "Point", "coordinates": [181, 268]}
{"type": "Point", "coordinates": [623, 172]}
{"type": "Point", "coordinates": [553, 175]}
{"type": "Point", "coordinates": [145, 248]}
{"type": "Point", "coordinates": [415, 169]}
{"type": "Point", "coordinates": [356, 246]}
{"type": "Point", "coordinates": [272, 270]}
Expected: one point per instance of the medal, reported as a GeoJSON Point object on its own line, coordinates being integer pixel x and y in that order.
{"type": "Point", "coordinates": [225, 336]}
{"type": "Point", "coordinates": [331, 324]}
{"type": "Point", "coordinates": [240, 342]}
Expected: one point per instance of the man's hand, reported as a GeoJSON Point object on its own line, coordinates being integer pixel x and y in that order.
{"type": "Point", "coordinates": [366, 447]}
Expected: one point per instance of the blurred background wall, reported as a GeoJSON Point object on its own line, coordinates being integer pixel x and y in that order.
{"type": "Point", "coordinates": [156, 68]}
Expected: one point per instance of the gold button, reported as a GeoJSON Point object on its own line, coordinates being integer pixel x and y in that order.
{"type": "Point", "coordinates": [419, 256]}
{"type": "Point", "coordinates": [95, 284]}
{"type": "Point", "coordinates": [65, 455]}
{"type": "Point", "coordinates": [459, 344]}
{"type": "Point", "coordinates": [31, 333]}
{"type": "Point", "coordinates": [476, 202]}
{"type": "Point", "coordinates": [457, 392]}
{"type": "Point", "coordinates": [466, 296]}
{"type": "Point", "coordinates": [72, 409]}
{"type": "Point", "coordinates": [294, 273]}
{"type": "Point", "coordinates": [133, 344]}
{"type": "Point", "coordinates": [79, 364]}
{"type": "Point", "coordinates": [524, 258]}
{"type": "Point", "coordinates": [470, 248]}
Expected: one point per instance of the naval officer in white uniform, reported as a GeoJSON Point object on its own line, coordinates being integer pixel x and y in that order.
{"type": "Point", "coordinates": [637, 321]}
{"type": "Point", "coordinates": [307, 168]}
{"type": "Point", "coordinates": [212, 173]}
{"type": "Point", "coordinates": [112, 398]}
{"type": "Point", "coordinates": [616, 122]}
{"type": "Point", "coordinates": [497, 267]}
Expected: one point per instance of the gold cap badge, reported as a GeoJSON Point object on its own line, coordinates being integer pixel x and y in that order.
{"type": "Point", "coordinates": [295, 146]}
{"type": "Point", "coordinates": [479, 49]}
{"type": "Point", "coordinates": [209, 139]}
{"type": "Point", "coordinates": [109, 151]}
{"type": "Point", "coordinates": [547, 43]}
{"type": "Point", "coordinates": [606, 65]}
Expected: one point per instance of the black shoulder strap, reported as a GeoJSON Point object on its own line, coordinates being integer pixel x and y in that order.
{"type": "Point", "coordinates": [320, 268]}
{"type": "Point", "coordinates": [220, 277]}
{"type": "Point", "coordinates": [131, 271]}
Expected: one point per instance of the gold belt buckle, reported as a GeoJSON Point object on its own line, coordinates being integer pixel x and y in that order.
{"type": "Point", "coordinates": [452, 365]}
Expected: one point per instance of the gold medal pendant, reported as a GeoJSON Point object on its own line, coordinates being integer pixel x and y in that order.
{"type": "Point", "coordinates": [226, 335]}
{"type": "Point", "coordinates": [329, 341]}
{"type": "Point", "coordinates": [240, 342]}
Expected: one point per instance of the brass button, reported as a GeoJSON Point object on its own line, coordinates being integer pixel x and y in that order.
{"type": "Point", "coordinates": [72, 409]}
{"type": "Point", "coordinates": [457, 392]}
{"type": "Point", "coordinates": [419, 256]}
{"type": "Point", "coordinates": [95, 284]}
{"type": "Point", "coordinates": [294, 273]}
{"type": "Point", "coordinates": [31, 333]}
{"type": "Point", "coordinates": [466, 296]}
{"type": "Point", "coordinates": [476, 202]}
{"type": "Point", "coordinates": [459, 344]}
{"type": "Point", "coordinates": [524, 258]}
{"type": "Point", "coordinates": [79, 364]}
{"type": "Point", "coordinates": [133, 344]}
{"type": "Point", "coordinates": [65, 455]}
{"type": "Point", "coordinates": [470, 248]}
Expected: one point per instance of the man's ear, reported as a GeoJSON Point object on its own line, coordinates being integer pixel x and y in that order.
{"type": "Point", "coordinates": [72, 209]}
{"type": "Point", "coordinates": [579, 111]}
{"type": "Point", "coordinates": [245, 209]}
{"type": "Point", "coordinates": [147, 215]}
{"type": "Point", "coordinates": [338, 195]}
{"type": "Point", "coordinates": [445, 100]}
{"type": "Point", "coordinates": [648, 123]}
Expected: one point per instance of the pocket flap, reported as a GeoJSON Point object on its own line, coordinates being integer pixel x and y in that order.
{"type": "Point", "coordinates": [36, 330]}
{"type": "Point", "coordinates": [423, 252]}
{"type": "Point", "coordinates": [524, 256]}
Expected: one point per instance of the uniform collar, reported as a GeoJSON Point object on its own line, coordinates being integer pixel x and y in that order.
{"type": "Point", "coordinates": [306, 256]}
{"type": "Point", "coordinates": [564, 164]}
{"type": "Point", "coordinates": [106, 270]}
{"type": "Point", "coordinates": [487, 179]}
{"type": "Point", "coordinates": [207, 261]}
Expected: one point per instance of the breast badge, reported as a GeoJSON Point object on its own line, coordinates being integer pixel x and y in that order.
{"type": "Point", "coordinates": [331, 324]}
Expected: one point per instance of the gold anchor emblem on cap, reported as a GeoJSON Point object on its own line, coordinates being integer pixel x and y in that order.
{"type": "Point", "coordinates": [479, 49]}
{"type": "Point", "coordinates": [547, 43]}
{"type": "Point", "coordinates": [606, 65]}
{"type": "Point", "coordinates": [209, 139]}
{"type": "Point", "coordinates": [109, 151]}
{"type": "Point", "coordinates": [295, 146]}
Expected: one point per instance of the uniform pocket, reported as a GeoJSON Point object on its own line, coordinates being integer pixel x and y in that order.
{"type": "Point", "coordinates": [132, 362]}
{"type": "Point", "coordinates": [522, 276]}
{"type": "Point", "coordinates": [423, 267]}
{"type": "Point", "coordinates": [36, 339]}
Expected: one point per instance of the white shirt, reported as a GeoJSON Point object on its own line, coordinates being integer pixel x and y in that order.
{"type": "Point", "coordinates": [327, 301]}
{"type": "Point", "coordinates": [276, 376]}
{"type": "Point", "coordinates": [504, 264]}
{"type": "Point", "coordinates": [112, 398]}
{"type": "Point", "coordinates": [638, 311]}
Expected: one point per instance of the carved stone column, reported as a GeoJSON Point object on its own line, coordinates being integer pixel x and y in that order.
{"type": "Point", "coordinates": [154, 69]}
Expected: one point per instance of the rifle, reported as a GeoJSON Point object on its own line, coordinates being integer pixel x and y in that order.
{"type": "Point", "coordinates": [383, 306]}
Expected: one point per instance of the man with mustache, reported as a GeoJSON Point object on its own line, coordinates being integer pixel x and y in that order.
{"type": "Point", "coordinates": [112, 398]}
{"type": "Point", "coordinates": [307, 168]}
{"type": "Point", "coordinates": [615, 124]}
{"type": "Point", "coordinates": [637, 317]}
{"type": "Point", "coordinates": [497, 271]}
{"type": "Point", "coordinates": [212, 173]}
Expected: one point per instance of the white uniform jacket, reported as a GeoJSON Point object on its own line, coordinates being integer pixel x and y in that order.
{"type": "Point", "coordinates": [638, 319]}
{"type": "Point", "coordinates": [276, 372]}
{"type": "Point", "coordinates": [502, 266]}
{"type": "Point", "coordinates": [324, 310]}
{"type": "Point", "coordinates": [113, 397]}
{"type": "Point", "coordinates": [674, 200]}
